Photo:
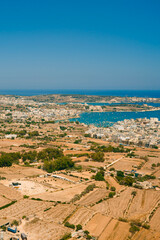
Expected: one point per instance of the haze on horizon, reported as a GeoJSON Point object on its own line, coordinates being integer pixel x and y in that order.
{"type": "Point", "coordinates": [80, 44]}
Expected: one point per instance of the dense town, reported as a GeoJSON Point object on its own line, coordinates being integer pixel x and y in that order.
{"type": "Point", "coordinates": [140, 132]}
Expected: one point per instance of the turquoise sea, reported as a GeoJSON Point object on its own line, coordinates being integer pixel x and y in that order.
{"type": "Point", "coordinates": [105, 119]}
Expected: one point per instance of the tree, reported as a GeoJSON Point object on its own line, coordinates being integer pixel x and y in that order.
{"type": "Point", "coordinates": [61, 163]}
{"type": "Point", "coordinates": [99, 176]}
{"type": "Point", "coordinates": [111, 194]}
{"type": "Point", "coordinates": [120, 174]}
{"type": "Point", "coordinates": [98, 156]}
{"type": "Point", "coordinates": [78, 227]}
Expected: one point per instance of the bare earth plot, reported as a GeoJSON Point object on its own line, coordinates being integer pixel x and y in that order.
{"type": "Point", "coordinates": [18, 172]}
{"type": "Point", "coordinates": [126, 164]}
{"type": "Point", "coordinates": [4, 201]}
{"type": "Point", "coordinates": [27, 187]}
{"type": "Point", "coordinates": [117, 206]}
{"type": "Point", "coordinates": [81, 216]}
{"type": "Point", "coordinates": [155, 221]}
{"type": "Point", "coordinates": [146, 235]}
{"type": "Point", "coordinates": [97, 224]}
{"type": "Point", "coordinates": [143, 203]}
{"type": "Point", "coordinates": [93, 196]}
{"type": "Point", "coordinates": [63, 195]}
{"type": "Point", "coordinates": [58, 213]}
{"type": "Point", "coordinates": [9, 193]}
{"type": "Point", "coordinates": [41, 229]}
{"type": "Point", "coordinates": [25, 207]}
{"type": "Point", "coordinates": [115, 230]}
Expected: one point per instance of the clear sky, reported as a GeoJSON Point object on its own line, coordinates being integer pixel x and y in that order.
{"type": "Point", "coordinates": [80, 44]}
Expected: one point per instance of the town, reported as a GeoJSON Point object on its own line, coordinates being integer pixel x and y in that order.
{"type": "Point", "coordinates": [140, 132]}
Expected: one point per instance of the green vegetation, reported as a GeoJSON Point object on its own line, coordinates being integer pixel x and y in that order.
{"type": "Point", "coordinates": [146, 177]}
{"type": "Point", "coordinates": [113, 189]}
{"type": "Point", "coordinates": [128, 180]}
{"type": "Point", "coordinates": [58, 164]}
{"type": "Point", "coordinates": [146, 226]}
{"type": "Point", "coordinates": [63, 128]}
{"type": "Point", "coordinates": [134, 229]}
{"type": "Point", "coordinates": [37, 199]}
{"type": "Point", "coordinates": [7, 205]}
{"type": "Point", "coordinates": [109, 148]}
{"type": "Point", "coordinates": [33, 134]}
{"type": "Point", "coordinates": [67, 224]}
{"type": "Point", "coordinates": [45, 210]}
{"type": "Point", "coordinates": [99, 176]}
{"type": "Point", "coordinates": [66, 236]}
{"type": "Point", "coordinates": [131, 154]}
{"type": "Point", "coordinates": [25, 196]}
{"type": "Point", "coordinates": [7, 159]}
{"type": "Point", "coordinates": [134, 193]}
{"type": "Point", "coordinates": [88, 189]}
{"type": "Point", "coordinates": [122, 219]}
{"type": "Point", "coordinates": [98, 156]}
{"type": "Point", "coordinates": [49, 154]}
{"type": "Point", "coordinates": [77, 141]}
{"type": "Point", "coordinates": [14, 223]}
{"type": "Point", "coordinates": [111, 194]}
{"type": "Point", "coordinates": [78, 227]}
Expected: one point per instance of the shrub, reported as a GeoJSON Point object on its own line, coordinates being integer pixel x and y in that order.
{"type": "Point", "coordinates": [63, 128]}
{"type": "Point", "coordinates": [146, 226]}
{"type": "Point", "coordinates": [111, 194]}
{"type": "Point", "coordinates": [134, 229]}
{"type": "Point", "coordinates": [77, 141]}
{"type": "Point", "coordinates": [25, 196]}
{"type": "Point", "coordinates": [112, 169]}
{"type": "Point", "coordinates": [8, 205]}
{"type": "Point", "coordinates": [67, 224]}
{"type": "Point", "coordinates": [113, 189]}
{"type": "Point", "coordinates": [15, 223]}
{"type": "Point", "coordinates": [99, 176]}
{"type": "Point", "coordinates": [134, 193]}
{"type": "Point", "coordinates": [78, 227]}
{"type": "Point", "coordinates": [122, 219]}
{"type": "Point", "coordinates": [88, 237]}
{"type": "Point", "coordinates": [98, 156]}
{"type": "Point", "coordinates": [120, 174]}
{"type": "Point", "coordinates": [66, 236]}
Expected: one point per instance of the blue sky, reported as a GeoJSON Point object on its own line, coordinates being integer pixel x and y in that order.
{"type": "Point", "coordinates": [80, 44]}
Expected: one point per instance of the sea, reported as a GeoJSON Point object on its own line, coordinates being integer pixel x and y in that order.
{"type": "Point", "coordinates": [121, 93]}
{"type": "Point", "coordinates": [103, 119]}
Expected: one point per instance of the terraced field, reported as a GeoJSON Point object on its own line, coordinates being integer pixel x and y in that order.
{"type": "Point", "coordinates": [25, 207]}
{"type": "Point", "coordinates": [41, 229]}
{"type": "Point", "coordinates": [97, 224]}
{"type": "Point", "coordinates": [93, 196]}
{"type": "Point", "coordinates": [81, 216]}
{"type": "Point", "coordinates": [117, 206]}
{"type": "Point", "coordinates": [143, 203]}
{"type": "Point", "coordinates": [115, 230]}
{"type": "Point", "coordinates": [9, 193]}
{"type": "Point", "coordinates": [58, 213]}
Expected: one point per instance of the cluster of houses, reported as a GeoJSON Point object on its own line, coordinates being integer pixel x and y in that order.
{"type": "Point", "coordinates": [141, 131]}
{"type": "Point", "coordinates": [10, 232]}
{"type": "Point", "coordinates": [39, 113]}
